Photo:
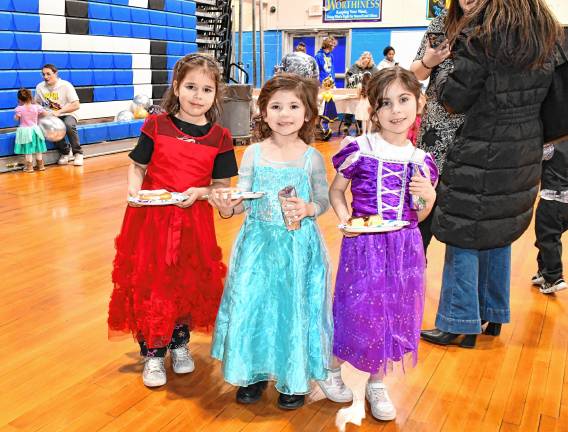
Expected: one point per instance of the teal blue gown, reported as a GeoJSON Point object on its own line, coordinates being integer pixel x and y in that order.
{"type": "Point", "coordinates": [274, 322]}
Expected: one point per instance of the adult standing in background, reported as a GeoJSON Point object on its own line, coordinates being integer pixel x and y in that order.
{"type": "Point", "coordinates": [487, 192]}
{"type": "Point", "coordinates": [60, 98]}
{"type": "Point", "coordinates": [300, 63]}
{"type": "Point", "coordinates": [388, 61]}
{"type": "Point", "coordinates": [353, 78]}
{"type": "Point", "coordinates": [324, 59]}
{"type": "Point", "coordinates": [438, 126]}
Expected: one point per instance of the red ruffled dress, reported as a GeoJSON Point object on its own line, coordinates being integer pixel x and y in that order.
{"type": "Point", "coordinates": [168, 267]}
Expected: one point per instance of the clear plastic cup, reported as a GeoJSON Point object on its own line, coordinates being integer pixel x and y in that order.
{"type": "Point", "coordinates": [290, 221]}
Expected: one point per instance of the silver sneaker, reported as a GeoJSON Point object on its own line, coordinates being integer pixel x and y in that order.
{"type": "Point", "coordinates": [335, 389]}
{"type": "Point", "coordinates": [182, 362]}
{"type": "Point", "coordinates": [537, 279]}
{"type": "Point", "coordinates": [382, 407]}
{"type": "Point", "coordinates": [552, 287]}
{"type": "Point", "coordinates": [154, 374]}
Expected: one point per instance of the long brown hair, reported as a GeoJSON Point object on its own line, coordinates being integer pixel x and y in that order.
{"type": "Point", "coordinates": [520, 33]}
{"type": "Point", "coordinates": [170, 102]}
{"type": "Point", "coordinates": [305, 89]}
{"type": "Point", "coordinates": [453, 20]}
{"type": "Point", "coordinates": [381, 80]}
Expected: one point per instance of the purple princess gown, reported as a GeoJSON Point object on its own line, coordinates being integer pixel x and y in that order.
{"type": "Point", "coordinates": [379, 292]}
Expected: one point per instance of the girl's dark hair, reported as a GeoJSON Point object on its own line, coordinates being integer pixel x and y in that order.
{"type": "Point", "coordinates": [50, 66]}
{"type": "Point", "coordinates": [380, 81]}
{"type": "Point", "coordinates": [387, 49]}
{"type": "Point", "coordinates": [24, 95]}
{"type": "Point", "coordinates": [364, 83]}
{"type": "Point", "coordinates": [519, 33]}
{"type": "Point", "coordinates": [305, 89]}
{"type": "Point", "coordinates": [170, 102]}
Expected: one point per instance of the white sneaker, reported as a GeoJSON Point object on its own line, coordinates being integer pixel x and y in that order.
{"type": "Point", "coordinates": [381, 404]}
{"type": "Point", "coordinates": [154, 374]}
{"type": "Point", "coordinates": [78, 160]}
{"type": "Point", "coordinates": [70, 156]}
{"type": "Point", "coordinates": [63, 160]}
{"type": "Point", "coordinates": [552, 287]}
{"type": "Point", "coordinates": [537, 279]}
{"type": "Point", "coordinates": [182, 362]}
{"type": "Point", "coordinates": [335, 389]}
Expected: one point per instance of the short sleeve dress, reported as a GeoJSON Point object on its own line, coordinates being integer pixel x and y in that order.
{"type": "Point", "coordinates": [168, 267]}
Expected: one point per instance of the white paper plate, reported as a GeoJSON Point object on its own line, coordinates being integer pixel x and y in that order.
{"type": "Point", "coordinates": [386, 226]}
{"type": "Point", "coordinates": [247, 195]}
{"type": "Point", "coordinates": [176, 198]}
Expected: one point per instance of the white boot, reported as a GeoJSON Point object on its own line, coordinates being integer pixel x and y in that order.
{"type": "Point", "coordinates": [182, 362]}
{"type": "Point", "coordinates": [154, 374]}
{"type": "Point", "coordinates": [381, 404]}
{"type": "Point", "coordinates": [334, 388]}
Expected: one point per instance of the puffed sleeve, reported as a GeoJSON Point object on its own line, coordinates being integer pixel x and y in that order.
{"type": "Point", "coordinates": [320, 188]}
{"type": "Point", "coordinates": [149, 128]}
{"type": "Point", "coordinates": [346, 161]}
{"type": "Point", "coordinates": [432, 169]}
{"type": "Point", "coordinates": [246, 169]}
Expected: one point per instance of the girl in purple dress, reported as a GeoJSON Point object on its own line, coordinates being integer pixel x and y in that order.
{"type": "Point", "coordinates": [379, 292]}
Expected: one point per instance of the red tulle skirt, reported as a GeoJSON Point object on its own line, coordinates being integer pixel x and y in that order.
{"type": "Point", "coordinates": [167, 270]}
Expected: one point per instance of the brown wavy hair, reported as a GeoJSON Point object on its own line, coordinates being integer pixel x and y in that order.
{"type": "Point", "coordinates": [520, 33]}
{"type": "Point", "coordinates": [305, 89]}
{"type": "Point", "coordinates": [24, 95]}
{"type": "Point", "coordinates": [170, 102]}
{"type": "Point", "coordinates": [381, 80]}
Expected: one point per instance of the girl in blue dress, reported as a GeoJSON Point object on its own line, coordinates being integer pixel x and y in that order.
{"type": "Point", "coordinates": [274, 322]}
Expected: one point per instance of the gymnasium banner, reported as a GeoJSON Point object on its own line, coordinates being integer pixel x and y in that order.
{"type": "Point", "coordinates": [436, 7]}
{"type": "Point", "coordinates": [351, 10]}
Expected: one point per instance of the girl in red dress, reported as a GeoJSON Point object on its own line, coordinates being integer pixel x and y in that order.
{"type": "Point", "coordinates": [167, 271]}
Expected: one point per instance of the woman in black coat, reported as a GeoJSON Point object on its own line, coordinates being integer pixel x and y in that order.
{"type": "Point", "coordinates": [502, 71]}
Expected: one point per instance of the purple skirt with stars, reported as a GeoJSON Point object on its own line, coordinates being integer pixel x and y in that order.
{"type": "Point", "coordinates": [379, 299]}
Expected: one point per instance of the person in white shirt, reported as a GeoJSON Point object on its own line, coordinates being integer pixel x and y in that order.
{"type": "Point", "coordinates": [60, 98]}
{"type": "Point", "coordinates": [388, 61]}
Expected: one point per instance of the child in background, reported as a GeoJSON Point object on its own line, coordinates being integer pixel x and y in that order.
{"type": "Point", "coordinates": [328, 110]}
{"type": "Point", "coordinates": [274, 322]}
{"type": "Point", "coordinates": [168, 272]}
{"type": "Point", "coordinates": [362, 109]}
{"type": "Point", "coordinates": [379, 291]}
{"type": "Point", "coordinates": [551, 219]}
{"type": "Point", "coordinates": [29, 138]}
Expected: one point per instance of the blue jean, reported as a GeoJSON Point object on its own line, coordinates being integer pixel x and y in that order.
{"type": "Point", "coordinates": [475, 287]}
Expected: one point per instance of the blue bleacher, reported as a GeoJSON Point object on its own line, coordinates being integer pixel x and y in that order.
{"type": "Point", "coordinates": [188, 8]}
{"type": "Point", "coordinates": [121, 29]}
{"type": "Point", "coordinates": [140, 31]}
{"type": "Point", "coordinates": [57, 58]}
{"type": "Point", "coordinates": [7, 118]}
{"type": "Point", "coordinates": [103, 61]}
{"type": "Point", "coordinates": [118, 131]}
{"type": "Point", "coordinates": [122, 61]}
{"type": "Point", "coordinates": [174, 34]}
{"type": "Point", "coordinates": [29, 6]}
{"type": "Point", "coordinates": [27, 41]}
{"type": "Point", "coordinates": [8, 99]}
{"type": "Point", "coordinates": [99, 11]}
{"type": "Point", "coordinates": [123, 77]}
{"type": "Point", "coordinates": [30, 60]}
{"type": "Point", "coordinates": [28, 78]}
{"type": "Point", "coordinates": [8, 60]}
{"type": "Point", "coordinates": [173, 6]}
{"type": "Point", "coordinates": [120, 13]}
{"type": "Point", "coordinates": [173, 20]}
{"type": "Point", "coordinates": [158, 32]}
{"type": "Point", "coordinates": [157, 17]}
{"type": "Point", "coordinates": [25, 22]}
{"type": "Point", "coordinates": [100, 27]}
{"type": "Point", "coordinates": [8, 79]}
{"type": "Point", "coordinates": [140, 15]}
{"type": "Point", "coordinates": [81, 77]}
{"type": "Point", "coordinates": [7, 40]}
{"type": "Point", "coordinates": [103, 77]}
{"type": "Point", "coordinates": [79, 60]}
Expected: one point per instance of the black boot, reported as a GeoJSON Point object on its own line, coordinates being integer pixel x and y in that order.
{"type": "Point", "coordinates": [252, 393]}
{"type": "Point", "coordinates": [493, 329]}
{"type": "Point", "coordinates": [290, 402]}
{"type": "Point", "coordinates": [439, 337]}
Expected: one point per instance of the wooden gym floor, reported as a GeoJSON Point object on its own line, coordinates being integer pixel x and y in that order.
{"type": "Point", "coordinates": [58, 371]}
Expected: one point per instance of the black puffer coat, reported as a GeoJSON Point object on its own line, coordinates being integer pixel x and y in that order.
{"type": "Point", "coordinates": [490, 182]}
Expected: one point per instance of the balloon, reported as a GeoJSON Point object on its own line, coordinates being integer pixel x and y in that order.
{"type": "Point", "coordinates": [142, 100]}
{"type": "Point", "coordinates": [124, 116]}
{"type": "Point", "coordinates": [140, 113]}
{"type": "Point", "coordinates": [53, 128]}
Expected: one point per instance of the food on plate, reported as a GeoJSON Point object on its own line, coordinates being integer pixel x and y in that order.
{"type": "Point", "coordinates": [366, 221]}
{"type": "Point", "coordinates": [154, 195]}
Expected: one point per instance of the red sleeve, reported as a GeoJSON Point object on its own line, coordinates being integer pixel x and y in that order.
{"type": "Point", "coordinates": [149, 128]}
{"type": "Point", "coordinates": [226, 142]}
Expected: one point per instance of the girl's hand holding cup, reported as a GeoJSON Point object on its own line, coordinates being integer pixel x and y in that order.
{"type": "Point", "coordinates": [296, 209]}
{"type": "Point", "coordinates": [422, 187]}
